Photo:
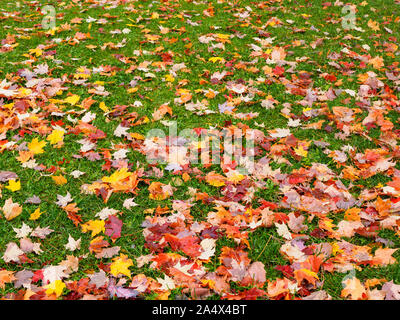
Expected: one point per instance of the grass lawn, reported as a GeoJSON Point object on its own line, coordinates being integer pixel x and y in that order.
{"type": "Point", "coordinates": [85, 214]}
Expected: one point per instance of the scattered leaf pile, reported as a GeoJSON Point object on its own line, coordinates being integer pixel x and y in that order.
{"type": "Point", "coordinates": [92, 207]}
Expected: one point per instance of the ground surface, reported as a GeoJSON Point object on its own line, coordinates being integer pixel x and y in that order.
{"type": "Point", "coordinates": [85, 215]}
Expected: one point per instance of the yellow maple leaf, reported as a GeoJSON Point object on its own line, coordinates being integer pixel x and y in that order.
{"type": "Point", "coordinates": [59, 180]}
{"type": "Point", "coordinates": [117, 176]}
{"type": "Point", "coordinates": [9, 106]}
{"type": "Point", "coordinates": [51, 31]}
{"type": "Point", "coordinates": [137, 136]}
{"type": "Point", "coordinates": [57, 287]}
{"type": "Point", "coordinates": [103, 107]}
{"type": "Point", "coordinates": [152, 37]}
{"type": "Point", "coordinates": [223, 36]}
{"type": "Point", "coordinates": [163, 295]}
{"type": "Point", "coordinates": [72, 100]}
{"type": "Point", "coordinates": [336, 249]}
{"type": "Point", "coordinates": [215, 179]}
{"type": "Point", "coordinates": [38, 52]}
{"type": "Point", "coordinates": [300, 151]}
{"type": "Point", "coordinates": [236, 177]}
{"type": "Point", "coordinates": [56, 136]}
{"type": "Point", "coordinates": [36, 214]}
{"type": "Point", "coordinates": [305, 274]}
{"type": "Point", "coordinates": [36, 146]}
{"type": "Point", "coordinates": [14, 185]}
{"type": "Point", "coordinates": [23, 92]}
{"type": "Point", "coordinates": [96, 226]}
{"type": "Point", "coordinates": [373, 25]}
{"type": "Point", "coordinates": [215, 59]}
{"type": "Point", "coordinates": [169, 78]}
{"type": "Point", "coordinates": [208, 283]}
{"type": "Point", "coordinates": [120, 265]}
{"type": "Point", "coordinates": [310, 273]}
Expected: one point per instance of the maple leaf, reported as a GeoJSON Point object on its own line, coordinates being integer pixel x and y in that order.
{"type": "Point", "coordinates": [95, 226]}
{"type": "Point", "coordinates": [59, 180]}
{"type": "Point", "coordinates": [108, 252]}
{"type": "Point", "coordinates": [162, 110]}
{"type": "Point", "coordinates": [318, 295]}
{"type": "Point", "coordinates": [347, 228]}
{"type": "Point", "coordinates": [159, 191]}
{"type": "Point", "coordinates": [97, 244]}
{"type": "Point", "coordinates": [6, 277]}
{"type": "Point", "coordinates": [383, 256]}
{"type": "Point", "coordinates": [36, 146]}
{"type": "Point", "coordinates": [283, 231]}
{"type": "Point", "coordinates": [27, 246]}
{"type": "Point", "coordinates": [56, 136]}
{"type": "Point", "coordinates": [256, 272]}
{"type": "Point", "coordinates": [11, 210]}
{"type": "Point", "coordinates": [376, 62]}
{"type": "Point", "coordinates": [73, 244]}
{"type": "Point", "coordinates": [105, 213]}
{"type": "Point", "coordinates": [353, 288]}
{"type": "Point", "coordinates": [76, 173]}
{"type": "Point", "coordinates": [279, 133]}
{"type": "Point", "coordinates": [12, 253]}
{"type": "Point", "coordinates": [38, 52]}
{"type": "Point", "coordinates": [36, 214]}
{"type": "Point", "coordinates": [117, 176]}
{"type": "Point", "coordinates": [41, 233]}
{"type": "Point", "coordinates": [72, 100]}
{"type": "Point", "coordinates": [208, 248]}
{"type": "Point", "coordinates": [166, 284]}
{"type": "Point", "coordinates": [391, 290]}
{"type": "Point", "coordinates": [278, 287]}
{"type": "Point", "coordinates": [53, 273]}
{"type": "Point", "coordinates": [300, 151]}
{"type": "Point", "coordinates": [121, 131]}
{"type": "Point", "coordinates": [7, 175]}
{"type": "Point", "coordinates": [305, 274]}
{"type": "Point", "coordinates": [215, 179]}
{"type": "Point", "coordinates": [99, 279]}
{"type": "Point", "coordinates": [120, 291]}
{"type": "Point", "coordinates": [373, 25]}
{"type": "Point", "coordinates": [352, 214]}
{"type": "Point", "coordinates": [113, 227]}
{"type": "Point", "coordinates": [72, 211]}
{"type": "Point", "coordinates": [13, 185]}
{"type": "Point", "coordinates": [71, 264]}
{"type": "Point", "coordinates": [23, 279]}
{"type": "Point", "coordinates": [120, 265]}
{"type": "Point", "coordinates": [129, 203]}
{"type": "Point", "coordinates": [33, 200]}
{"type": "Point", "coordinates": [296, 223]}
{"type": "Point", "coordinates": [57, 287]}
{"type": "Point", "coordinates": [62, 201]}
{"type": "Point", "coordinates": [22, 232]}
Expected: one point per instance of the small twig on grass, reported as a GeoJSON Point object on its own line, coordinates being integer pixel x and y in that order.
{"type": "Point", "coordinates": [264, 247]}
